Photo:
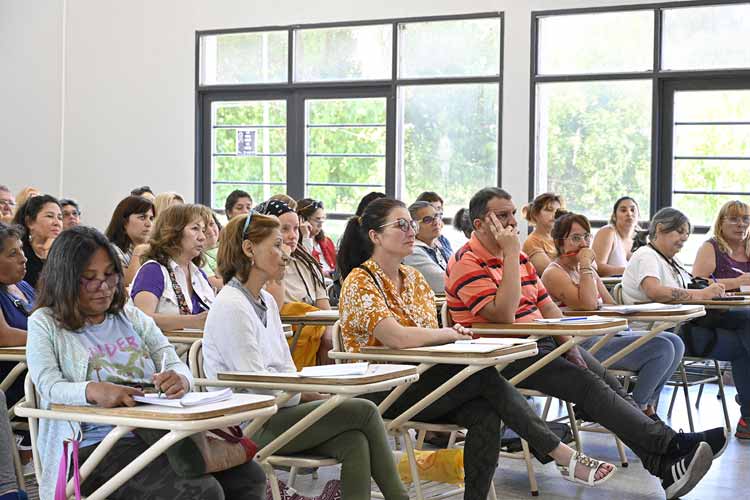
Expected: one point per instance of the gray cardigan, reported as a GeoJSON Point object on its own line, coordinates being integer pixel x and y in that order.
{"type": "Point", "coordinates": [58, 364]}
{"type": "Point", "coordinates": [421, 260]}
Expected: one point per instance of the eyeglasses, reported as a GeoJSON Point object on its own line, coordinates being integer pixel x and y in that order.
{"type": "Point", "coordinates": [736, 221]}
{"type": "Point", "coordinates": [579, 238]}
{"type": "Point", "coordinates": [429, 219]}
{"type": "Point", "coordinates": [318, 220]}
{"type": "Point", "coordinates": [72, 213]}
{"type": "Point", "coordinates": [8, 203]}
{"type": "Point", "coordinates": [94, 284]}
{"type": "Point", "coordinates": [404, 225]}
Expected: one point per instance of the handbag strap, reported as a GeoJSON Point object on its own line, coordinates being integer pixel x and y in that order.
{"type": "Point", "coordinates": [62, 472]}
{"type": "Point", "coordinates": [181, 302]}
{"type": "Point", "coordinates": [377, 283]}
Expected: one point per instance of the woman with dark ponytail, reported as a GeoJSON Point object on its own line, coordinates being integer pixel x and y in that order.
{"type": "Point", "coordinates": [386, 303]}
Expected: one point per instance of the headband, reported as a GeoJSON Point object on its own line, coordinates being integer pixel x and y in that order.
{"type": "Point", "coordinates": [274, 207]}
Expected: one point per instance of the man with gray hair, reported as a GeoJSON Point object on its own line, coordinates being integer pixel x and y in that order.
{"type": "Point", "coordinates": [7, 204]}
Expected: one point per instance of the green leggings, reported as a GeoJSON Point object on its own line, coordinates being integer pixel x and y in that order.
{"type": "Point", "coordinates": [354, 434]}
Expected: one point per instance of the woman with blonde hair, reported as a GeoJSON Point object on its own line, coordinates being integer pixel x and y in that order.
{"type": "Point", "coordinates": [170, 286]}
{"type": "Point", "coordinates": [164, 200]}
{"type": "Point", "coordinates": [26, 193]}
{"type": "Point", "coordinates": [540, 213]}
{"type": "Point", "coordinates": [726, 256]}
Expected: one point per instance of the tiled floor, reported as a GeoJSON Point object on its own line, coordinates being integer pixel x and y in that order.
{"type": "Point", "coordinates": [724, 480]}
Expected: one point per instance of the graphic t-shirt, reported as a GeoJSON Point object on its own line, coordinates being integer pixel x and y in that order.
{"type": "Point", "coordinates": [116, 355]}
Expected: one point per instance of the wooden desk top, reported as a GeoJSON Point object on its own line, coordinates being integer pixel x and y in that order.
{"type": "Point", "coordinates": [13, 351]}
{"type": "Point", "coordinates": [737, 301]}
{"type": "Point", "coordinates": [375, 373]}
{"type": "Point", "coordinates": [684, 309]}
{"type": "Point", "coordinates": [323, 317]}
{"type": "Point", "coordinates": [456, 350]}
{"type": "Point", "coordinates": [534, 328]}
{"type": "Point", "coordinates": [238, 403]}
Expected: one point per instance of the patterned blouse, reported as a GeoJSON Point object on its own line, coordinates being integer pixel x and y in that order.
{"type": "Point", "coordinates": [364, 303]}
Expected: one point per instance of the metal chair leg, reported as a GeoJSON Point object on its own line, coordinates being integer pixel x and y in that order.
{"type": "Point", "coordinates": [574, 426]}
{"type": "Point", "coordinates": [722, 395]}
{"type": "Point", "coordinates": [530, 468]}
{"type": "Point", "coordinates": [686, 391]}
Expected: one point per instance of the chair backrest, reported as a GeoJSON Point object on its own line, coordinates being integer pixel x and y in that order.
{"type": "Point", "coordinates": [195, 356]}
{"type": "Point", "coordinates": [617, 293]}
{"type": "Point", "coordinates": [445, 316]}
{"type": "Point", "coordinates": [32, 401]}
{"type": "Point", "coordinates": [338, 340]}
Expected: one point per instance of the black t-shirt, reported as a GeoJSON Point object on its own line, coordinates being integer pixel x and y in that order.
{"type": "Point", "coordinates": [34, 264]}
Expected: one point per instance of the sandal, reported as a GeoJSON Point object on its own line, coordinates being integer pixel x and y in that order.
{"type": "Point", "coordinates": [568, 471]}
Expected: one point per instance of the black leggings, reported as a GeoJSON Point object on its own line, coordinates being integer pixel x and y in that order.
{"type": "Point", "coordinates": [479, 404]}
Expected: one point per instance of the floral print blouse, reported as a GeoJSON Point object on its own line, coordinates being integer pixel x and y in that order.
{"type": "Point", "coordinates": [364, 303]}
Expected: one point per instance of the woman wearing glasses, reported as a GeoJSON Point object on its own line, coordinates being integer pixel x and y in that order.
{"type": "Point", "coordinates": [320, 246]}
{"type": "Point", "coordinates": [572, 281]}
{"type": "Point", "coordinates": [384, 302]}
{"type": "Point", "coordinates": [726, 256]}
{"type": "Point", "coordinates": [170, 286]}
{"type": "Point", "coordinates": [654, 274]}
{"type": "Point", "coordinates": [88, 346]}
{"type": "Point", "coordinates": [426, 256]}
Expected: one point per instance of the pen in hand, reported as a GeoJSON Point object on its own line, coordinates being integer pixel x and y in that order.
{"type": "Point", "coordinates": [163, 367]}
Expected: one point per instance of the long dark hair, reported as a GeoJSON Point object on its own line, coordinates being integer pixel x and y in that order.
{"type": "Point", "coordinates": [116, 228]}
{"type": "Point", "coordinates": [60, 282]}
{"type": "Point", "coordinates": [355, 245]}
{"type": "Point", "coordinates": [31, 208]}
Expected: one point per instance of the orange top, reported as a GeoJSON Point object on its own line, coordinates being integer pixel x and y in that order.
{"type": "Point", "coordinates": [473, 276]}
{"type": "Point", "coordinates": [535, 244]}
{"type": "Point", "coordinates": [363, 303]}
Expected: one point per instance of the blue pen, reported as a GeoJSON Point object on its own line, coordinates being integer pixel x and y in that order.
{"type": "Point", "coordinates": [713, 278]}
{"type": "Point", "coordinates": [573, 318]}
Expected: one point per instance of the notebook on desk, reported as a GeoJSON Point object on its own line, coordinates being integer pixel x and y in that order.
{"type": "Point", "coordinates": [235, 404]}
{"type": "Point", "coordinates": [191, 399]}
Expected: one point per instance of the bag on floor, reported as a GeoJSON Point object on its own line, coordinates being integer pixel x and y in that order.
{"type": "Point", "coordinates": [205, 452]}
{"type": "Point", "coordinates": [444, 466]}
{"type": "Point", "coordinates": [331, 491]}
{"type": "Point", "coordinates": [62, 471]}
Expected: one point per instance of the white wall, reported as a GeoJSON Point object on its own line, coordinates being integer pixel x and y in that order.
{"type": "Point", "coordinates": [129, 91]}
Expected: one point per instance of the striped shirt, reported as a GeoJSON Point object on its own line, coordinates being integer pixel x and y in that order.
{"type": "Point", "coordinates": [471, 282]}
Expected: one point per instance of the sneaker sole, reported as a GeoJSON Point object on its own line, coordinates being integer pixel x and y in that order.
{"type": "Point", "coordinates": [742, 435]}
{"type": "Point", "coordinates": [696, 470]}
{"type": "Point", "coordinates": [726, 442]}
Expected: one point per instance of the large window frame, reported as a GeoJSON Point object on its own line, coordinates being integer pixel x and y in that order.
{"type": "Point", "coordinates": [663, 85]}
{"type": "Point", "coordinates": [296, 92]}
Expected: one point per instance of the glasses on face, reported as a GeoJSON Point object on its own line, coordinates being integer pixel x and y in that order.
{"type": "Point", "coordinates": [94, 284]}
{"type": "Point", "coordinates": [429, 219]}
{"type": "Point", "coordinates": [579, 238]}
{"type": "Point", "coordinates": [736, 221]}
{"type": "Point", "coordinates": [72, 213]}
{"type": "Point", "coordinates": [7, 203]}
{"type": "Point", "coordinates": [318, 220]}
{"type": "Point", "coordinates": [404, 225]}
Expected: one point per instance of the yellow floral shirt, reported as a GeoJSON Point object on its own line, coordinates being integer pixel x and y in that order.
{"type": "Point", "coordinates": [362, 304]}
